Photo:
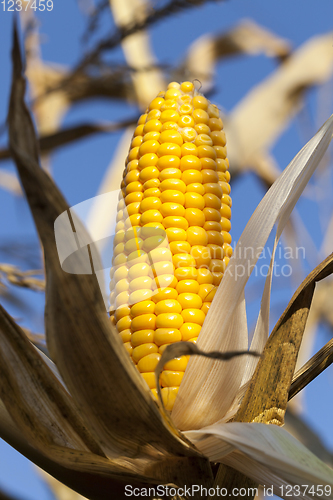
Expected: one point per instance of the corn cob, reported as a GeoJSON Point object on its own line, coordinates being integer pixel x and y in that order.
{"type": "Point", "coordinates": [172, 240]}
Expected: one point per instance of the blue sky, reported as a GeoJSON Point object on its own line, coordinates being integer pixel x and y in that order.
{"type": "Point", "coordinates": [79, 169]}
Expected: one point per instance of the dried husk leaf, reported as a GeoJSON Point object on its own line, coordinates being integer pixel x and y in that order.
{"type": "Point", "coordinates": [207, 384]}
{"type": "Point", "coordinates": [267, 395]}
{"type": "Point", "coordinates": [266, 453]}
{"type": "Point", "coordinates": [86, 349]}
{"type": "Point", "coordinates": [207, 394]}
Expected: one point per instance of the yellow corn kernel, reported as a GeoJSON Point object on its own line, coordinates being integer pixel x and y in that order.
{"type": "Point", "coordinates": [143, 350]}
{"type": "Point", "coordinates": [148, 363]}
{"type": "Point", "coordinates": [149, 378]}
{"type": "Point", "coordinates": [195, 187]}
{"type": "Point", "coordinates": [171, 379]}
{"type": "Point", "coordinates": [167, 336]}
{"type": "Point", "coordinates": [169, 320]}
{"type": "Point", "coordinates": [192, 177]}
{"type": "Point", "coordinates": [169, 395]}
{"type": "Point", "coordinates": [142, 337]}
{"type": "Point", "coordinates": [190, 286]}
{"type": "Point", "coordinates": [196, 235]}
{"type": "Point", "coordinates": [143, 321]}
{"type": "Point", "coordinates": [195, 216]}
{"type": "Point", "coordinates": [126, 335]}
{"type": "Point", "coordinates": [190, 300]}
{"type": "Point", "coordinates": [189, 330]}
{"type": "Point", "coordinates": [177, 364]}
{"type": "Point", "coordinates": [193, 316]}
{"type": "Point", "coordinates": [169, 305]}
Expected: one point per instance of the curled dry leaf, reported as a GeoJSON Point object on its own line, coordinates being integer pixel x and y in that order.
{"type": "Point", "coordinates": [40, 420]}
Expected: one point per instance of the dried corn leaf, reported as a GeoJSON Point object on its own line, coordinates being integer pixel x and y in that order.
{"type": "Point", "coordinates": [320, 312]}
{"type": "Point", "coordinates": [9, 182]}
{"type": "Point", "coordinates": [258, 119]}
{"type": "Point", "coordinates": [314, 367]}
{"type": "Point", "coordinates": [50, 108]}
{"type": "Point", "coordinates": [267, 395]}
{"type": "Point", "coordinates": [147, 17]}
{"type": "Point", "coordinates": [90, 475]}
{"type": "Point", "coordinates": [147, 79]}
{"type": "Point", "coordinates": [20, 278]}
{"type": "Point", "coordinates": [246, 38]}
{"type": "Point", "coordinates": [37, 403]}
{"type": "Point", "coordinates": [87, 350]}
{"type": "Point", "coordinates": [298, 428]}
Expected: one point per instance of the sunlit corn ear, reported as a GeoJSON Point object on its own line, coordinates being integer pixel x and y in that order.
{"type": "Point", "coordinates": [172, 241]}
